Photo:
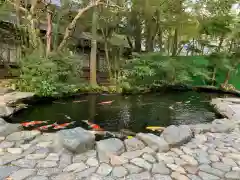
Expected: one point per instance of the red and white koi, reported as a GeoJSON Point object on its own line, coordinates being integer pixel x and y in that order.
{"type": "Point", "coordinates": [106, 102]}
{"type": "Point", "coordinates": [93, 126]}
{"type": "Point", "coordinates": [62, 126]}
{"type": "Point", "coordinates": [32, 123]}
{"type": "Point", "coordinates": [42, 128]}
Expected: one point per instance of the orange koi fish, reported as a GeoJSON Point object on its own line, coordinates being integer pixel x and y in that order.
{"type": "Point", "coordinates": [42, 128]}
{"type": "Point", "coordinates": [62, 126]}
{"type": "Point", "coordinates": [32, 123]}
{"type": "Point", "coordinates": [93, 126]}
{"type": "Point", "coordinates": [106, 102]}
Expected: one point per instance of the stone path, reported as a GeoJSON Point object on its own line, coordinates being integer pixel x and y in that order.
{"type": "Point", "coordinates": [212, 152]}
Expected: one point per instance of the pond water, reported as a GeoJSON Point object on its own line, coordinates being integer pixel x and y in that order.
{"type": "Point", "coordinates": [133, 112]}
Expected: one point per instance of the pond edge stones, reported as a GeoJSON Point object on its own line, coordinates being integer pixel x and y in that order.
{"type": "Point", "coordinates": [108, 148]}
{"type": "Point", "coordinates": [77, 140]}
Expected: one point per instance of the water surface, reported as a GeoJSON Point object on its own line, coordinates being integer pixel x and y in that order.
{"type": "Point", "coordinates": [126, 112]}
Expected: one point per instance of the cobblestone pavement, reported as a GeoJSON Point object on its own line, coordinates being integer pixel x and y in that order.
{"type": "Point", "coordinates": [210, 155]}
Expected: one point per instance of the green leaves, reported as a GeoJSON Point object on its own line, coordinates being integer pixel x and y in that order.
{"type": "Point", "coordinates": [56, 74]}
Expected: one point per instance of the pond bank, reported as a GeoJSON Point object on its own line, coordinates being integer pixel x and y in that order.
{"type": "Point", "coordinates": [195, 152]}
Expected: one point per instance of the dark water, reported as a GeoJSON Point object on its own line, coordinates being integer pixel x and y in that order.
{"type": "Point", "coordinates": [126, 112]}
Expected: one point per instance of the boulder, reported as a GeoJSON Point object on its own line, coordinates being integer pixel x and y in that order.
{"type": "Point", "coordinates": [177, 135]}
{"type": "Point", "coordinates": [133, 144]}
{"type": "Point", "coordinates": [153, 141]}
{"type": "Point", "coordinates": [222, 126]}
{"type": "Point", "coordinates": [15, 97]}
{"type": "Point", "coordinates": [77, 140]}
{"type": "Point", "coordinates": [6, 111]}
{"type": "Point", "coordinates": [109, 147]}
{"type": "Point", "coordinates": [200, 128]}
{"type": "Point", "coordinates": [23, 135]}
{"type": "Point", "coordinates": [7, 128]}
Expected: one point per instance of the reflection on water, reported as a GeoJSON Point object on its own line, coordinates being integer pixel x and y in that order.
{"type": "Point", "coordinates": [126, 112]}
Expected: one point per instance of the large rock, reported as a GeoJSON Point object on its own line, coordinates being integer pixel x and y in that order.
{"type": "Point", "coordinates": [23, 135]}
{"type": "Point", "coordinates": [7, 128]}
{"type": "Point", "coordinates": [109, 147]}
{"type": "Point", "coordinates": [223, 108]}
{"type": "Point", "coordinates": [222, 125]}
{"type": "Point", "coordinates": [153, 141]}
{"type": "Point", "coordinates": [6, 111]}
{"type": "Point", "coordinates": [133, 144]}
{"type": "Point", "coordinates": [177, 135]}
{"type": "Point", "coordinates": [15, 97]}
{"type": "Point", "coordinates": [200, 128]}
{"type": "Point", "coordinates": [77, 140]}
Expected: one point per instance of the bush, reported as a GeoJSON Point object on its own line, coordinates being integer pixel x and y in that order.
{"type": "Point", "coordinates": [153, 68]}
{"type": "Point", "coordinates": [54, 75]}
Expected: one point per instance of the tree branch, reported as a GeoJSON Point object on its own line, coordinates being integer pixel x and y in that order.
{"type": "Point", "coordinates": [72, 25]}
{"type": "Point", "coordinates": [18, 7]}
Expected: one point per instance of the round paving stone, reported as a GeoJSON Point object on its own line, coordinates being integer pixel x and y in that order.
{"type": "Point", "coordinates": [15, 150]}
{"type": "Point", "coordinates": [176, 168]}
{"type": "Point", "coordinates": [38, 178]}
{"type": "Point", "coordinates": [86, 173]}
{"type": "Point", "coordinates": [161, 177]}
{"type": "Point", "coordinates": [48, 171]}
{"type": "Point", "coordinates": [233, 175]}
{"type": "Point", "coordinates": [119, 172]}
{"type": "Point", "coordinates": [104, 169]}
{"type": "Point", "coordinates": [178, 176]}
{"type": "Point", "coordinates": [149, 158]}
{"type": "Point", "coordinates": [160, 168]}
{"type": "Point", "coordinates": [206, 176]}
{"type": "Point", "coordinates": [64, 176]}
{"type": "Point", "coordinates": [141, 163]}
{"type": "Point", "coordinates": [189, 159]}
{"type": "Point", "coordinates": [6, 144]}
{"type": "Point", "coordinates": [132, 169]}
{"type": "Point", "coordinates": [24, 163]}
{"type": "Point", "coordinates": [22, 174]}
{"type": "Point", "coordinates": [75, 167]}
{"type": "Point", "coordinates": [52, 157]}
{"type": "Point", "coordinates": [92, 162]}
{"type": "Point", "coordinates": [46, 164]}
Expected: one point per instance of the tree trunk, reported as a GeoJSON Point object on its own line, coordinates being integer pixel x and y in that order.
{"type": "Point", "coordinates": [175, 43]}
{"type": "Point", "coordinates": [93, 56]}
{"type": "Point", "coordinates": [69, 30]}
{"type": "Point", "coordinates": [228, 75]}
{"type": "Point", "coordinates": [137, 32]}
{"type": "Point", "coordinates": [49, 31]}
{"type": "Point", "coordinates": [218, 50]}
{"type": "Point", "coordinates": [107, 59]}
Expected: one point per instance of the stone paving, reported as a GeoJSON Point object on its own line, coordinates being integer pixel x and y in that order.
{"type": "Point", "coordinates": [194, 152]}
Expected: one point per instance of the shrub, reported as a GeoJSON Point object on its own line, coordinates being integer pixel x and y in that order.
{"type": "Point", "coordinates": [54, 75]}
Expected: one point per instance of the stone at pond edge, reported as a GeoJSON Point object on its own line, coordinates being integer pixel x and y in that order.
{"type": "Point", "coordinates": [133, 144]}
{"type": "Point", "coordinates": [153, 141]}
{"type": "Point", "coordinates": [23, 135]}
{"type": "Point", "coordinates": [8, 128]}
{"type": "Point", "coordinates": [77, 140]}
{"type": "Point", "coordinates": [177, 135]}
{"type": "Point", "coordinates": [107, 148]}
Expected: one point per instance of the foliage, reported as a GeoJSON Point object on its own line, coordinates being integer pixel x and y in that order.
{"type": "Point", "coordinates": [157, 69]}
{"type": "Point", "coordinates": [54, 75]}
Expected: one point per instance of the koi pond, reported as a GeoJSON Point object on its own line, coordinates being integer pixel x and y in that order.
{"type": "Point", "coordinates": [116, 112]}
